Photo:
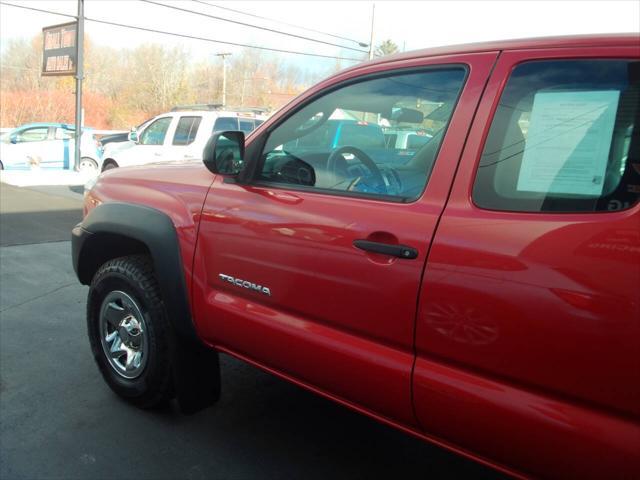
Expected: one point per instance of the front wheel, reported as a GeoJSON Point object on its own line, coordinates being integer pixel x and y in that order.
{"type": "Point", "coordinates": [88, 165]}
{"type": "Point", "coordinates": [129, 331]}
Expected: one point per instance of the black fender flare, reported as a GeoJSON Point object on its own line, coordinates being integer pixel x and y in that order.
{"type": "Point", "coordinates": [104, 231]}
{"type": "Point", "coordinates": [152, 228]}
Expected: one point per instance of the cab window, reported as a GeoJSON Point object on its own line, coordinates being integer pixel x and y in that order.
{"type": "Point", "coordinates": [337, 143]}
{"type": "Point", "coordinates": [37, 134]}
{"type": "Point", "coordinates": [186, 130]}
{"type": "Point", "coordinates": [246, 125]}
{"type": "Point", "coordinates": [225, 123]}
{"type": "Point", "coordinates": [154, 134]}
{"type": "Point", "coordinates": [565, 138]}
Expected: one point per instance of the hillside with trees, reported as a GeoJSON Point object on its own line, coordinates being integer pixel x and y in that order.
{"type": "Point", "coordinates": [124, 87]}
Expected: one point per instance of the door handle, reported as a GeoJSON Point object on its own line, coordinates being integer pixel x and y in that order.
{"type": "Point", "coordinates": [186, 155]}
{"type": "Point", "coordinates": [400, 251]}
{"type": "Point", "coordinates": [157, 154]}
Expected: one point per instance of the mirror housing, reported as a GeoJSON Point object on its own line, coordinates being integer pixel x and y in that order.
{"type": "Point", "coordinates": [133, 135]}
{"type": "Point", "coordinates": [224, 153]}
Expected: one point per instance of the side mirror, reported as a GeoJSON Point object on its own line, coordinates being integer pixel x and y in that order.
{"type": "Point", "coordinates": [133, 135]}
{"type": "Point", "coordinates": [13, 139]}
{"type": "Point", "coordinates": [224, 153]}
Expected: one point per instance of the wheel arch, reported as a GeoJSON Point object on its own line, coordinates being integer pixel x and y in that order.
{"type": "Point", "coordinates": [114, 230]}
{"type": "Point", "coordinates": [108, 161]}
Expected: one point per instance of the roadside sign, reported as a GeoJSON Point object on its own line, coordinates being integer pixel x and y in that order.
{"type": "Point", "coordinates": [59, 52]}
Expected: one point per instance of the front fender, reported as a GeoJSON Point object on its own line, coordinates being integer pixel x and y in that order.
{"type": "Point", "coordinates": [112, 229]}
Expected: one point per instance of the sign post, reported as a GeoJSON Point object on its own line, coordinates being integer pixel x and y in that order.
{"type": "Point", "coordinates": [79, 78]}
{"type": "Point", "coordinates": [62, 54]}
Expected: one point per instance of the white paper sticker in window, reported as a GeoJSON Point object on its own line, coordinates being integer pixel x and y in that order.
{"type": "Point", "coordinates": [568, 142]}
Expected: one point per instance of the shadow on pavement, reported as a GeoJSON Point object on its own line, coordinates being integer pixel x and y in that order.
{"type": "Point", "coordinates": [37, 215]}
{"type": "Point", "coordinates": [37, 227]}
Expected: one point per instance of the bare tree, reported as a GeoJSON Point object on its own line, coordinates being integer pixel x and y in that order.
{"type": "Point", "coordinates": [386, 47]}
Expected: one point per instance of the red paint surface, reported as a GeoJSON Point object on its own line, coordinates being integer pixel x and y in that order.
{"type": "Point", "coordinates": [537, 319]}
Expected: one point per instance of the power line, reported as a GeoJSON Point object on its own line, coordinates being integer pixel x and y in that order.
{"type": "Point", "coordinates": [182, 35]}
{"type": "Point", "coordinates": [38, 9]}
{"type": "Point", "coordinates": [193, 37]}
{"type": "Point", "coordinates": [237, 22]}
{"type": "Point", "coordinates": [362, 44]}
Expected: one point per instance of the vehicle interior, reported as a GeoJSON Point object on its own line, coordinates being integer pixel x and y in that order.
{"type": "Point", "coordinates": [338, 142]}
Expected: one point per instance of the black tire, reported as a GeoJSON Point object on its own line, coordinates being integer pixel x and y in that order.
{"type": "Point", "coordinates": [134, 276]}
{"type": "Point", "coordinates": [1, 165]}
{"type": "Point", "coordinates": [108, 165]}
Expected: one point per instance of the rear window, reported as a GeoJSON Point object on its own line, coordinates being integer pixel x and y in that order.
{"type": "Point", "coordinates": [186, 130]}
{"type": "Point", "coordinates": [225, 123]}
{"type": "Point", "coordinates": [564, 138]}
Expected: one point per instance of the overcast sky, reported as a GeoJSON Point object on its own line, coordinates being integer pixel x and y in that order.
{"type": "Point", "coordinates": [411, 25]}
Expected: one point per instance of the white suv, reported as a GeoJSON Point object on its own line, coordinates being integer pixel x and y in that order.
{"type": "Point", "coordinates": [177, 135]}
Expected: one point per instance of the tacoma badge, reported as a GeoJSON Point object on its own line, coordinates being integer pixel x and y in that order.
{"type": "Point", "coordinates": [244, 283]}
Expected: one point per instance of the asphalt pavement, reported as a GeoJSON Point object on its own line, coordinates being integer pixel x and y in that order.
{"type": "Point", "coordinates": [38, 214]}
{"type": "Point", "coordinates": [58, 419]}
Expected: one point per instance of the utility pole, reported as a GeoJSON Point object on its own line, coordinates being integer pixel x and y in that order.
{"type": "Point", "coordinates": [373, 13]}
{"type": "Point", "coordinates": [224, 76]}
{"type": "Point", "coordinates": [79, 77]}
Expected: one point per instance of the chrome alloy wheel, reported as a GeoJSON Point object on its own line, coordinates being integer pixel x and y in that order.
{"type": "Point", "coordinates": [123, 334]}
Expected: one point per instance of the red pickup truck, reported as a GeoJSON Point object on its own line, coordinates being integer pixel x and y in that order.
{"type": "Point", "coordinates": [481, 292]}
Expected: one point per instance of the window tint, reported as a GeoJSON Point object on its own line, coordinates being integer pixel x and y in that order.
{"type": "Point", "coordinates": [565, 138]}
{"type": "Point", "coordinates": [416, 140]}
{"type": "Point", "coordinates": [38, 134]}
{"type": "Point", "coordinates": [246, 125]}
{"type": "Point", "coordinates": [186, 130]}
{"type": "Point", "coordinates": [337, 142]}
{"type": "Point", "coordinates": [154, 134]}
{"type": "Point", "coordinates": [225, 123]}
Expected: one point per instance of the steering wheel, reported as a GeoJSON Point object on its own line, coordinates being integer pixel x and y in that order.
{"type": "Point", "coordinates": [333, 163]}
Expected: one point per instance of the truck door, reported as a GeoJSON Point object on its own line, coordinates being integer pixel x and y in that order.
{"type": "Point", "coordinates": [528, 326]}
{"type": "Point", "coordinates": [183, 145]}
{"type": "Point", "coordinates": [151, 144]}
{"type": "Point", "coordinates": [312, 269]}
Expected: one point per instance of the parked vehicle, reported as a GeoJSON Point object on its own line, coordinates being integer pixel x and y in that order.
{"type": "Point", "coordinates": [482, 295]}
{"type": "Point", "coordinates": [403, 139]}
{"type": "Point", "coordinates": [122, 137]}
{"type": "Point", "coordinates": [179, 135]}
{"type": "Point", "coordinates": [118, 142]}
{"type": "Point", "coordinates": [48, 145]}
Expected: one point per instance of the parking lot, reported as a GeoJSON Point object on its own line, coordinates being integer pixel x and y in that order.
{"type": "Point", "coordinates": [60, 420]}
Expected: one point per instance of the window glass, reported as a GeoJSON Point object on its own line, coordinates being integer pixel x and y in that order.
{"type": "Point", "coordinates": [64, 134]}
{"type": "Point", "coordinates": [565, 138]}
{"type": "Point", "coordinates": [225, 123]}
{"type": "Point", "coordinates": [186, 130]}
{"type": "Point", "coordinates": [154, 134]}
{"type": "Point", "coordinates": [345, 140]}
{"type": "Point", "coordinates": [416, 140]}
{"type": "Point", "coordinates": [246, 125]}
{"type": "Point", "coordinates": [37, 134]}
